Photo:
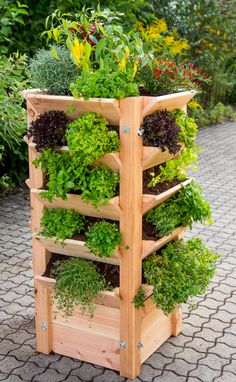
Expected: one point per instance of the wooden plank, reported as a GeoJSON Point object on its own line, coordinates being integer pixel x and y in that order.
{"type": "Point", "coordinates": [153, 156]}
{"type": "Point", "coordinates": [150, 246]}
{"type": "Point", "coordinates": [177, 321]}
{"type": "Point", "coordinates": [131, 232]}
{"type": "Point", "coordinates": [43, 319]}
{"type": "Point", "coordinates": [109, 211]}
{"type": "Point", "coordinates": [96, 348]}
{"type": "Point", "coordinates": [75, 248]}
{"type": "Point", "coordinates": [150, 201]}
{"type": "Point", "coordinates": [168, 102]}
{"type": "Point", "coordinates": [107, 107]}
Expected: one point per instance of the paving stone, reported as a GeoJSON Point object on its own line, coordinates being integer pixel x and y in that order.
{"type": "Point", "coordinates": [9, 364]}
{"type": "Point", "coordinates": [28, 371]}
{"type": "Point", "coordinates": [226, 377]}
{"type": "Point", "coordinates": [204, 373]}
{"type": "Point", "coordinates": [169, 376]}
{"type": "Point", "coordinates": [65, 365]}
{"type": "Point", "coordinates": [86, 372]}
{"type": "Point", "coordinates": [109, 376]}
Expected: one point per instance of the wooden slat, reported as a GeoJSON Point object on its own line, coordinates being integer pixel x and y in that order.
{"type": "Point", "coordinates": [150, 246]}
{"type": "Point", "coordinates": [109, 211]}
{"type": "Point", "coordinates": [100, 349]}
{"type": "Point", "coordinates": [109, 108]}
{"type": "Point", "coordinates": [169, 102]}
{"type": "Point", "coordinates": [131, 232]}
{"type": "Point", "coordinates": [75, 248]}
{"type": "Point", "coordinates": [43, 319]}
{"type": "Point", "coordinates": [153, 156]}
{"type": "Point", "coordinates": [150, 201]}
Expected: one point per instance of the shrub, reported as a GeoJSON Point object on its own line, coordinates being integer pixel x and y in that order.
{"type": "Point", "coordinates": [161, 130]}
{"type": "Point", "coordinates": [48, 130]}
{"type": "Point", "coordinates": [213, 115]}
{"type": "Point", "coordinates": [184, 208]}
{"type": "Point", "coordinates": [104, 83]}
{"type": "Point", "coordinates": [89, 139]}
{"type": "Point", "coordinates": [102, 238]}
{"type": "Point", "coordinates": [179, 271]}
{"type": "Point", "coordinates": [77, 283]}
{"type": "Point", "coordinates": [53, 73]}
{"type": "Point", "coordinates": [61, 223]}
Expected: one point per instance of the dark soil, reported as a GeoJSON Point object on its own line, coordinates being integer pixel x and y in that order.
{"type": "Point", "coordinates": [110, 272]}
{"type": "Point", "coordinates": [160, 187]}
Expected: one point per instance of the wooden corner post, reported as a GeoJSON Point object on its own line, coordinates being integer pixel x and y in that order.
{"type": "Point", "coordinates": [131, 231]}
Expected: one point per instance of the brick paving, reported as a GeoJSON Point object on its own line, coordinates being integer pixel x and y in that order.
{"type": "Point", "coordinates": [206, 349]}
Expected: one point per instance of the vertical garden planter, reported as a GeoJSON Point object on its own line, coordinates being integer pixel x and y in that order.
{"type": "Point", "coordinates": [119, 336]}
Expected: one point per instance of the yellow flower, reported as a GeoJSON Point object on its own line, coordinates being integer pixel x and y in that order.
{"type": "Point", "coordinates": [194, 104]}
{"type": "Point", "coordinates": [77, 50]}
{"type": "Point", "coordinates": [169, 40]}
{"type": "Point", "coordinates": [122, 64]}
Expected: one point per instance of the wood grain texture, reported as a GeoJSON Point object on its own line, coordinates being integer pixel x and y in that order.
{"type": "Point", "coordinates": [131, 232]}
{"type": "Point", "coordinates": [153, 156]}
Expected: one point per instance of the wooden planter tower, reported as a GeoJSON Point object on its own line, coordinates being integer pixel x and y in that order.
{"type": "Point", "coordinates": [119, 336]}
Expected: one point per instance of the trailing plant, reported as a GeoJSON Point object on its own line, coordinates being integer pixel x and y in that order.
{"type": "Point", "coordinates": [61, 223]}
{"type": "Point", "coordinates": [188, 128]}
{"type": "Point", "coordinates": [48, 130]}
{"type": "Point", "coordinates": [161, 76]}
{"type": "Point", "coordinates": [100, 185]}
{"type": "Point", "coordinates": [184, 208]}
{"type": "Point", "coordinates": [102, 238]}
{"type": "Point", "coordinates": [53, 70]}
{"type": "Point", "coordinates": [104, 83]}
{"type": "Point", "coordinates": [213, 114]}
{"type": "Point", "coordinates": [77, 283]}
{"type": "Point", "coordinates": [139, 298]}
{"type": "Point", "coordinates": [89, 139]}
{"type": "Point", "coordinates": [179, 271]}
{"type": "Point", "coordinates": [176, 168]}
{"type": "Point", "coordinates": [160, 129]}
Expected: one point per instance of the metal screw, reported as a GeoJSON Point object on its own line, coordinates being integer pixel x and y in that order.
{"type": "Point", "coordinates": [140, 132]}
{"type": "Point", "coordinates": [122, 345]}
{"type": "Point", "coordinates": [44, 326]}
{"type": "Point", "coordinates": [126, 129]}
{"type": "Point", "coordinates": [140, 345]}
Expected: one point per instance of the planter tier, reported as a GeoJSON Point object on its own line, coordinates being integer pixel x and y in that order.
{"type": "Point", "coordinates": [120, 336]}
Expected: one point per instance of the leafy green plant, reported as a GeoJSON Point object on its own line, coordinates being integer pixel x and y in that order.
{"type": "Point", "coordinates": [139, 298]}
{"type": "Point", "coordinates": [104, 83]}
{"type": "Point", "coordinates": [188, 128]}
{"type": "Point", "coordinates": [89, 139]}
{"type": "Point", "coordinates": [184, 208]}
{"type": "Point", "coordinates": [213, 114]}
{"type": "Point", "coordinates": [100, 185]}
{"type": "Point", "coordinates": [161, 130]}
{"type": "Point", "coordinates": [53, 72]}
{"type": "Point", "coordinates": [13, 151]}
{"type": "Point", "coordinates": [61, 223]}
{"type": "Point", "coordinates": [102, 238]}
{"type": "Point", "coordinates": [77, 283]}
{"type": "Point", "coordinates": [179, 271]}
{"type": "Point", "coordinates": [48, 130]}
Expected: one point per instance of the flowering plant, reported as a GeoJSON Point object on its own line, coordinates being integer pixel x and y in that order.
{"type": "Point", "coordinates": [161, 76]}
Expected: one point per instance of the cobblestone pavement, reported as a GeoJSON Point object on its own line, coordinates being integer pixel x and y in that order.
{"type": "Point", "coordinates": [206, 349]}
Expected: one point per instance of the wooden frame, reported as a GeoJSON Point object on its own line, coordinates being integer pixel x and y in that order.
{"type": "Point", "coordinates": [120, 336]}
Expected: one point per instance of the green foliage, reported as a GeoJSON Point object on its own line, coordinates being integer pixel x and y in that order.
{"type": "Point", "coordinates": [176, 168]}
{"type": "Point", "coordinates": [13, 151]}
{"type": "Point", "coordinates": [184, 208]}
{"type": "Point", "coordinates": [11, 13]}
{"type": "Point", "coordinates": [188, 128]}
{"type": "Point", "coordinates": [100, 185]}
{"type": "Point", "coordinates": [139, 299]}
{"type": "Point", "coordinates": [61, 223]}
{"type": "Point", "coordinates": [179, 271]}
{"type": "Point", "coordinates": [89, 139]}
{"type": "Point", "coordinates": [54, 73]}
{"type": "Point", "coordinates": [103, 238]}
{"type": "Point", "coordinates": [77, 283]}
{"type": "Point", "coordinates": [104, 83]}
{"type": "Point", "coordinates": [213, 115]}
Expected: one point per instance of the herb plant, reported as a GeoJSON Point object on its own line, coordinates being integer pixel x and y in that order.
{"type": "Point", "coordinates": [61, 223]}
{"type": "Point", "coordinates": [139, 299]}
{"type": "Point", "coordinates": [161, 130]}
{"type": "Point", "coordinates": [53, 72]}
{"type": "Point", "coordinates": [179, 271]}
{"type": "Point", "coordinates": [104, 83]}
{"type": "Point", "coordinates": [188, 128]}
{"type": "Point", "coordinates": [102, 238]}
{"type": "Point", "coordinates": [89, 139]}
{"type": "Point", "coordinates": [77, 283]}
{"type": "Point", "coordinates": [48, 130]}
{"type": "Point", "coordinates": [184, 208]}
